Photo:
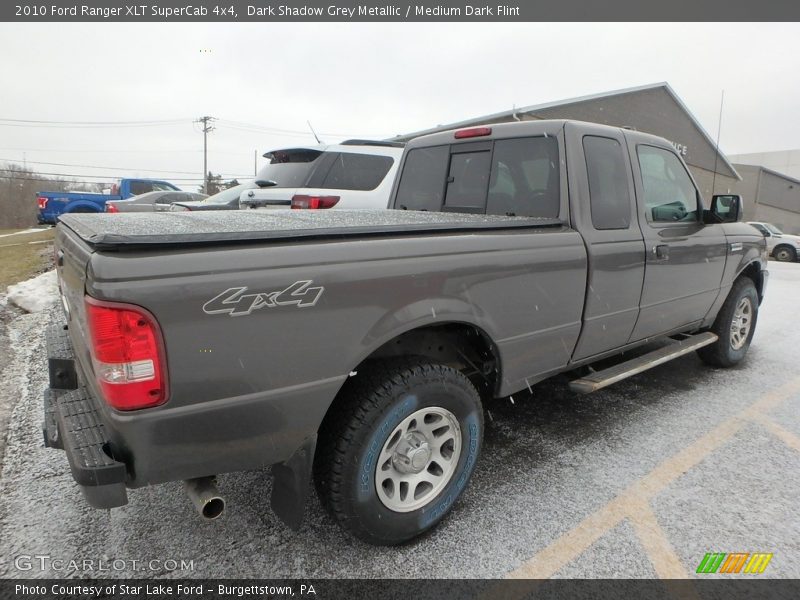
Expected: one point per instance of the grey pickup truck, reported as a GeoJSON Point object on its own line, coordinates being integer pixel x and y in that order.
{"type": "Point", "coordinates": [358, 350]}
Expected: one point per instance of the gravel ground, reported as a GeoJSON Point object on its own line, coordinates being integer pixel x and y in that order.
{"type": "Point", "coordinates": [551, 460]}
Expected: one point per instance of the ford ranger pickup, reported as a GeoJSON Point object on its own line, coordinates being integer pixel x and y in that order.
{"type": "Point", "coordinates": [359, 349]}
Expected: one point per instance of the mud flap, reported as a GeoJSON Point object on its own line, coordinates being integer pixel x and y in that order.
{"type": "Point", "coordinates": [291, 483]}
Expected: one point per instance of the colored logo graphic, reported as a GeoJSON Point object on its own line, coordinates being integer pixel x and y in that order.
{"type": "Point", "coordinates": [738, 562]}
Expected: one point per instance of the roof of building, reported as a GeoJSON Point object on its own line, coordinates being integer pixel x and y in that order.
{"type": "Point", "coordinates": [515, 112]}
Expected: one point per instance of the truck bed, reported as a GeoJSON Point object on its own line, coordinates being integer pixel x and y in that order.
{"type": "Point", "coordinates": [104, 231]}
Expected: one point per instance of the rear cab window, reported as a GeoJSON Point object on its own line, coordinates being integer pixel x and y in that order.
{"type": "Point", "coordinates": [424, 188]}
{"type": "Point", "coordinates": [516, 176]}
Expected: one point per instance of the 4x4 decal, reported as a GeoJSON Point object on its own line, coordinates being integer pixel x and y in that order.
{"type": "Point", "coordinates": [236, 303]}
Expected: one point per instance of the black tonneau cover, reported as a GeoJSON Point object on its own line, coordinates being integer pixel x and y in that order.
{"type": "Point", "coordinates": [108, 231]}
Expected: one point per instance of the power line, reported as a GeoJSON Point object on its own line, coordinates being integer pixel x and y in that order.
{"type": "Point", "coordinates": [106, 177]}
{"type": "Point", "coordinates": [40, 162]}
{"type": "Point", "coordinates": [107, 151]}
{"type": "Point", "coordinates": [241, 125]}
{"type": "Point", "coordinates": [278, 131]}
{"type": "Point", "coordinates": [88, 124]}
{"type": "Point", "coordinates": [94, 122]}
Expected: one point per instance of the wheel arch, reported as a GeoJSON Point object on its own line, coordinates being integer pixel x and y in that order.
{"type": "Point", "coordinates": [459, 344]}
{"type": "Point", "coordinates": [754, 272]}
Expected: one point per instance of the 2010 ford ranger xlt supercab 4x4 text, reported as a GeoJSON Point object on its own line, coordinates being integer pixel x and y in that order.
{"type": "Point", "coordinates": [359, 349]}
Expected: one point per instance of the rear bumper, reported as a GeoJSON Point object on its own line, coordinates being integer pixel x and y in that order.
{"type": "Point", "coordinates": [110, 451]}
{"type": "Point", "coordinates": [73, 424]}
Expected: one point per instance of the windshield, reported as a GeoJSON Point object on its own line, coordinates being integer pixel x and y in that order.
{"type": "Point", "coordinates": [772, 229]}
{"type": "Point", "coordinates": [228, 196]}
{"type": "Point", "coordinates": [289, 168]}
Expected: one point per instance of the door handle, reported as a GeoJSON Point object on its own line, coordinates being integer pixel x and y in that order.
{"type": "Point", "coordinates": [661, 251]}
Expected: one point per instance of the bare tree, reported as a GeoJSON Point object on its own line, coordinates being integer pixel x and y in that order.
{"type": "Point", "coordinates": [18, 188]}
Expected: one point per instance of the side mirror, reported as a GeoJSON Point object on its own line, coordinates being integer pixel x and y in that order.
{"type": "Point", "coordinates": [726, 208]}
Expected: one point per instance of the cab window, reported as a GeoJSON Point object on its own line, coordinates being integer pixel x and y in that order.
{"type": "Point", "coordinates": [141, 187]}
{"type": "Point", "coordinates": [669, 194]}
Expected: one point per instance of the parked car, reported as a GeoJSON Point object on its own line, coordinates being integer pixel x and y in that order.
{"type": "Point", "coordinates": [225, 200]}
{"type": "Point", "coordinates": [356, 174]}
{"type": "Point", "coordinates": [364, 346]}
{"type": "Point", "coordinates": [152, 201]}
{"type": "Point", "coordinates": [782, 246]}
{"type": "Point", "coordinates": [53, 204]}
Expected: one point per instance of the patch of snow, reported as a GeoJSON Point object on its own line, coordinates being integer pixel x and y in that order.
{"type": "Point", "coordinates": [35, 294]}
{"type": "Point", "coordinates": [31, 230]}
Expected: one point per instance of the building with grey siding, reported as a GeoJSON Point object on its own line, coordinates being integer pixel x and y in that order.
{"type": "Point", "coordinates": [782, 161]}
{"type": "Point", "coordinates": [655, 109]}
{"type": "Point", "coordinates": [770, 196]}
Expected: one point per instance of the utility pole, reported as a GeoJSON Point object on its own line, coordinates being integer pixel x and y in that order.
{"type": "Point", "coordinates": [255, 162]}
{"type": "Point", "coordinates": [207, 128]}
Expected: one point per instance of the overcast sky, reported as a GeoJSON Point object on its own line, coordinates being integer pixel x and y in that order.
{"type": "Point", "coordinates": [264, 81]}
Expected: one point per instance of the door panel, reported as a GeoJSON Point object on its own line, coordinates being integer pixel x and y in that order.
{"type": "Point", "coordinates": [604, 211]}
{"type": "Point", "coordinates": [685, 259]}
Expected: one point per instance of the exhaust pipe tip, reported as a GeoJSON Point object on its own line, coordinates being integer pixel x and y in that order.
{"type": "Point", "coordinates": [203, 493]}
{"type": "Point", "coordinates": [213, 508]}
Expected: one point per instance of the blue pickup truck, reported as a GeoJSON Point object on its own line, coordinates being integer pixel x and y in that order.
{"type": "Point", "coordinates": [53, 204]}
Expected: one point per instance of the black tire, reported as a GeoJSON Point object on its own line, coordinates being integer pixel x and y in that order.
{"type": "Point", "coordinates": [784, 254]}
{"type": "Point", "coordinates": [373, 404]}
{"type": "Point", "coordinates": [724, 352]}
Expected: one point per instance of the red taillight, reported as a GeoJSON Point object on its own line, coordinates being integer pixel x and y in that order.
{"type": "Point", "coordinates": [42, 202]}
{"type": "Point", "coordinates": [127, 354]}
{"type": "Point", "coordinates": [473, 132]}
{"type": "Point", "coordinates": [111, 208]}
{"type": "Point", "coordinates": [303, 201]}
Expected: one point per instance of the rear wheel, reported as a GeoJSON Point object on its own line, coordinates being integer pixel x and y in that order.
{"type": "Point", "coordinates": [785, 254]}
{"type": "Point", "coordinates": [735, 325]}
{"type": "Point", "coordinates": [399, 449]}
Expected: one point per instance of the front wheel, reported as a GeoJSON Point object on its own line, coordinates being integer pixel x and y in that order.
{"type": "Point", "coordinates": [398, 450]}
{"type": "Point", "coordinates": [735, 325]}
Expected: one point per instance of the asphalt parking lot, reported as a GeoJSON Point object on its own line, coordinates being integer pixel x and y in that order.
{"type": "Point", "coordinates": [641, 479]}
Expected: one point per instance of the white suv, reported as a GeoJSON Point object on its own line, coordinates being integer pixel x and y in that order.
{"type": "Point", "coordinates": [356, 174]}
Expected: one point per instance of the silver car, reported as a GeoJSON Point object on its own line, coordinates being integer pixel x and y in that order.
{"type": "Point", "coordinates": [151, 201]}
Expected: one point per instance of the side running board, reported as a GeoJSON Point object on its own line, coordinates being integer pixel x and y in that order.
{"type": "Point", "coordinates": [606, 377]}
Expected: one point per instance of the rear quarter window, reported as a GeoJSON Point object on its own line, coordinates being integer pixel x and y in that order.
{"type": "Point", "coordinates": [609, 195]}
{"type": "Point", "coordinates": [360, 172]}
